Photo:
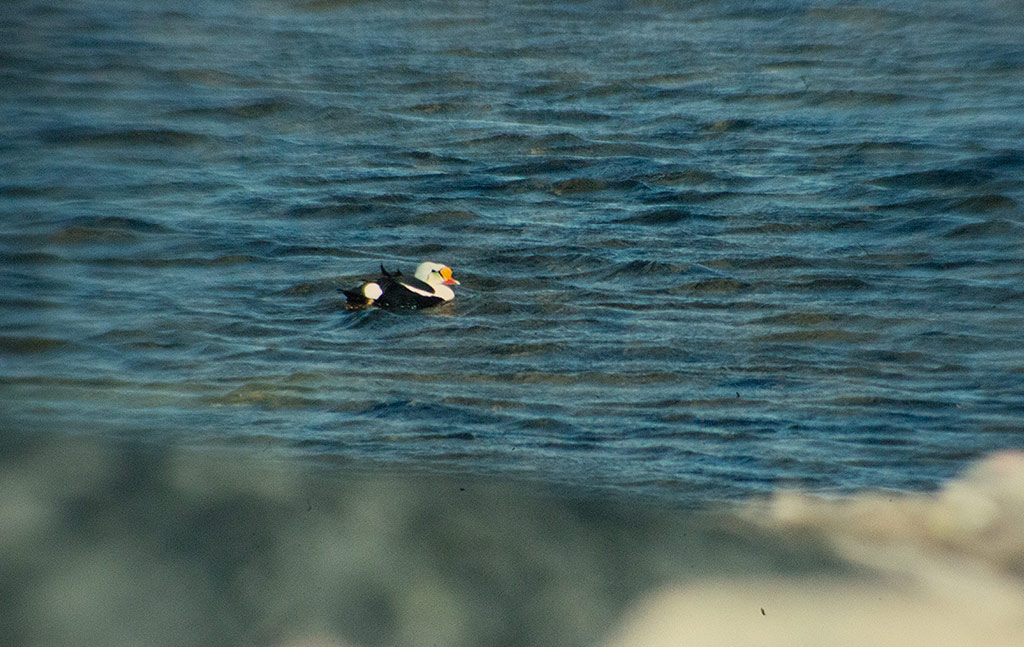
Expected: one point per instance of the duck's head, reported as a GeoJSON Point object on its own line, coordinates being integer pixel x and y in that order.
{"type": "Point", "coordinates": [435, 274]}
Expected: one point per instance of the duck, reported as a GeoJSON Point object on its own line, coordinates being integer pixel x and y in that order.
{"type": "Point", "coordinates": [429, 287]}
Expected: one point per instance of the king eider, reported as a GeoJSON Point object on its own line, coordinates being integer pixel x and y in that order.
{"type": "Point", "coordinates": [392, 290]}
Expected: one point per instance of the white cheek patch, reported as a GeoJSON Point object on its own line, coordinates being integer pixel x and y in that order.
{"type": "Point", "coordinates": [372, 291]}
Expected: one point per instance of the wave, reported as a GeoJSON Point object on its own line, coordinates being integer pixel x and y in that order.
{"type": "Point", "coordinates": [93, 136]}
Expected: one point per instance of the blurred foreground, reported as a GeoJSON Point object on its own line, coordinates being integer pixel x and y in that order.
{"type": "Point", "coordinates": [105, 544]}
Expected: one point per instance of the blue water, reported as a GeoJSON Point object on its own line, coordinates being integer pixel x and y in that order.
{"type": "Point", "coordinates": [707, 250]}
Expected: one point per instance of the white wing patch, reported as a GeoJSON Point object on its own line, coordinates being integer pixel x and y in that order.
{"type": "Point", "coordinates": [417, 290]}
{"type": "Point", "coordinates": [440, 291]}
{"type": "Point", "coordinates": [372, 291]}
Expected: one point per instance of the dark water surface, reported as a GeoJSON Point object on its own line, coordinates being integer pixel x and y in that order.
{"type": "Point", "coordinates": [706, 249]}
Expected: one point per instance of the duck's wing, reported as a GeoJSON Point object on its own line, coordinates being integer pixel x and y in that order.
{"type": "Point", "coordinates": [391, 275]}
{"type": "Point", "coordinates": [416, 285]}
{"type": "Point", "coordinates": [398, 297]}
{"type": "Point", "coordinates": [407, 292]}
{"type": "Point", "coordinates": [391, 280]}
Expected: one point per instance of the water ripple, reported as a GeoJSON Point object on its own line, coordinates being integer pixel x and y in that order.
{"type": "Point", "coordinates": [704, 249]}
